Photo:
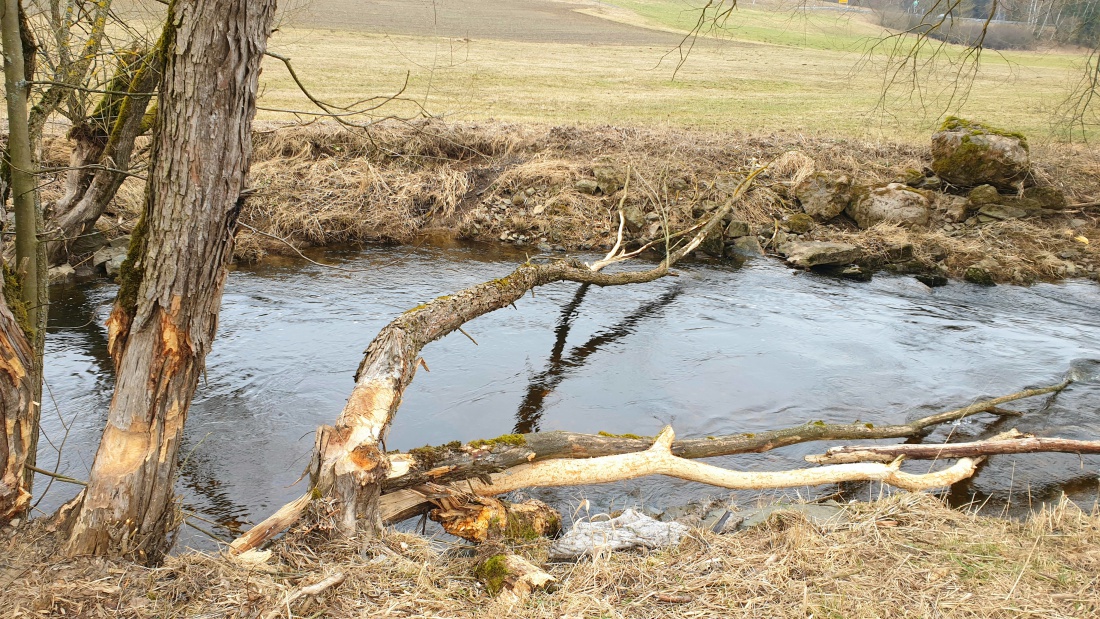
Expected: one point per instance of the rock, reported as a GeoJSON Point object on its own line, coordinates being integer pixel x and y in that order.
{"type": "Point", "coordinates": [983, 194]}
{"type": "Point", "coordinates": [62, 274]}
{"type": "Point", "coordinates": [121, 242]}
{"type": "Point", "coordinates": [88, 244]}
{"type": "Point", "coordinates": [1001, 212]}
{"type": "Point", "coordinates": [630, 530]}
{"type": "Point", "coordinates": [932, 280]}
{"type": "Point", "coordinates": [538, 210]}
{"type": "Point", "coordinates": [111, 258]}
{"type": "Point", "coordinates": [714, 244]}
{"type": "Point", "coordinates": [808, 254]}
{"type": "Point", "coordinates": [609, 178]}
{"type": "Point", "coordinates": [981, 272]}
{"type": "Point", "coordinates": [825, 515]}
{"type": "Point", "coordinates": [746, 247]}
{"type": "Point", "coordinates": [530, 191]}
{"type": "Point", "coordinates": [1050, 198]}
{"type": "Point", "coordinates": [852, 271]}
{"type": "Point", "coordinates": [586, 186]}
{"type": "Point", "coordinates": [823, 197]}
{"type": "Point", "coordinates": [891, 203]}
{"type": "Point", "coordinates": [635, 218]}
{"type": "Point", "coordinates": [899, 252]}
{"type": "Point", "coordinates": [955, 208]}
{"type": "Point", "coordinates": [969, 154]}
{"type": "Point", "coordinates": [114, 266]}
{"type": "Point", "coordinates": [738, 228]}
{"type": "Point", "coordinates": [800, 223]}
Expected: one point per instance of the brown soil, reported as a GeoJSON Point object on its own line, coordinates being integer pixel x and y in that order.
{"type": "Point", "coordinates": [518, 184]}
{"type": "Point", "coordinates": [537, 21]}
{"type": "Point", "coordinates": [905, 556]}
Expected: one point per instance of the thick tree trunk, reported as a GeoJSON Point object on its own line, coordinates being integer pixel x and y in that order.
{"type": "Point", "coordinates": [165, 318]}
{"type": "Point", "coordinates": [18, 415]}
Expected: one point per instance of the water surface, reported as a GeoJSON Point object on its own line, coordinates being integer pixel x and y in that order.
{"type": "Point", "coordinates": [716, 350]}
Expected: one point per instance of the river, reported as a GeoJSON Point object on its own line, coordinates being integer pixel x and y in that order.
{"type": "Point", "coordinates": [716, 350]}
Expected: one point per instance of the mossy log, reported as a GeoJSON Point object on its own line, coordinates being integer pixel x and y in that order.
{"type": "Point", "coordinates": [481, 519]}
{"type": "Point", "coordinates": [512, 576]}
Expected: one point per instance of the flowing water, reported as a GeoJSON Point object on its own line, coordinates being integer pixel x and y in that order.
{"type": "Point", "coordinates": [714, 351]}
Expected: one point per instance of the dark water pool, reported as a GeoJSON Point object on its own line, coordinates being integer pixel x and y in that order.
{"type": "Point", "coordinates": [716, 350]}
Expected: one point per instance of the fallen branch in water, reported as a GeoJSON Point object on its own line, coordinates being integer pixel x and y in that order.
{"type": "Point", "coordinates": [659, 460]}
{"type": "Point", "coordinates": [349, 463]}
{"type": "Point", "coordinates": [1022, 443]}
{"type": "Point", "coordinates": [444, 464]}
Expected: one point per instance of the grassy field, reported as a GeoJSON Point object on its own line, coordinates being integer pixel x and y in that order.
{"type": "Point", "coordinates": [812, 72]}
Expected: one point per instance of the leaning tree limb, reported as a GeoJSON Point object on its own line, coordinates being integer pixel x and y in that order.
{"type": "Point", "coordinates": [446, 464]}
{"type": "Point", "coordinates": [888, 453]}
{"type": "Point", "coordinates": [349, 463]}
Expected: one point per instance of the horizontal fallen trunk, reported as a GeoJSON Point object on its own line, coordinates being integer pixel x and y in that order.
{"type": "Point", "coordinates": [477, 459]}
{"type": "Point", "coordinates": [512, 577]}
{"type": "Point", "coordinates": [659, 460]}
{"type": "Point", "coordinates": [950, 451]}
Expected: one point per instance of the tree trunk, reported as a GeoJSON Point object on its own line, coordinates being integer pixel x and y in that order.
{"type": "Point", "coordinates": [164, 320]}
{"type": "Point", "coordinates": [18, 415]}
{"type": "Point", "coordinates": [103, 145]}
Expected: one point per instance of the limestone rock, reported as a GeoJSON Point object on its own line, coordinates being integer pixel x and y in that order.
{"type": "Point", "coordinates": [1050, 198]}
{"type": "Point", "coordinates": [635, 218]}
{"type": "Point", "coordinates": [714, 244]}
{"type": "Point", "coordinates": [111, 258]}
{"type": "Point", "coordinates": [587, 186]}
{"type": "Point", "coordinates": [808, 254]}
{"type": "Point", "coordinates": [737, 229]}
{"type": "Point", "coordinates": [955, 208]}
{"type": "Point", "coordinates": [891, 203]}
{"type": "Point", "coordinates": [823, 197]}
{"type": "Point", "coordinates": [983, 194]}
{"type": "Point", "coordinates": [630, 530]}
{"type": "Point", "coordinates": [88, 243]}
{"type": "Point", "coordinates": [1002, 211]}
{"type": "Point", "coordinates": [969, 154]}
{"type": "Point", "coordinates": [745, 247]}
{"type": "Point", "coordinates": [800, 223]}
{"type": "Point", "coordinates": [609, 177]}
{"type": "Point", "coordinates": [981, 272]}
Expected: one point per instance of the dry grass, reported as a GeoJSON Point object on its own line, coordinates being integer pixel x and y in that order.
{"type": "Point", "coordinates": [904, 556]}
{"type": "Point", "coordinates": [499, 181]}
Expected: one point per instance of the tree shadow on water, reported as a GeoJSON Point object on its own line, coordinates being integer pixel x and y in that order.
{"type": "Point", "coordinates": [559, 366]}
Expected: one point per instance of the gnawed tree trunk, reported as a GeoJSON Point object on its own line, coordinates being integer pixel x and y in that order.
{"type": "Point", "coordinates": [102, 147]}
{"type": "Point", "coordinates": [482, 519]}
{"type": "Point", "coordinates": [165, 317]}
{"type": "Point", "coordinates": [18, 415]}
{"type": "Point", "coordinates": [512, 577]}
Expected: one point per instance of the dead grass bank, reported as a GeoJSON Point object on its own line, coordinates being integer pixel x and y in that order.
{"type": "Point", "coordinates": [518, 183]}
{"type": "Point", "coordinates": [905, 556]}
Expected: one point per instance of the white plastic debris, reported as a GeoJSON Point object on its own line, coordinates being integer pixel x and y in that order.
{"type": "Point", "coordinates": [630, 530]}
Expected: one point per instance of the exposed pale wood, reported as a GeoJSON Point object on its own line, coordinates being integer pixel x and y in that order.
{"type": "Point", "coordinates": [512, 577]}
{"type": "Point", "coordinates": [164, 321]}
{"type": "Point", "coordinates": [887, 453]}
{"type": "Point", "coordinates": [279, 521]}
{"type": "Point", "coordinates": [17, 414]}
{"type": "Point", "coordinates": [447, 464]}
{"type": "Point", "coordinates": [481, 519]}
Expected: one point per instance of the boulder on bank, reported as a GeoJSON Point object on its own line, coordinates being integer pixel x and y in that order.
{"type": "Point", "coordinates": [969, 154]}
{"type": "Point", "coordinates": [823, 197]}
{"type": "Point", "coordinates": [890, 203]}
{"type": "Point", "coordinates": [808, 254]}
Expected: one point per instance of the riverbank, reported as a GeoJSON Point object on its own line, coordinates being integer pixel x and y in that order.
{"type": "Point", "coordinates": [557, 189]}
{"type": "Point", "coordinates": [907, 555]}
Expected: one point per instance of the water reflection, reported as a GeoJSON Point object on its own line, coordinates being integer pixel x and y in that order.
{"type": "Point", "coordinates": [558, 368]}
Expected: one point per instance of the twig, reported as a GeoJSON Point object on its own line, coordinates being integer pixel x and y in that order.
{"type": "Point", "coordinates": [311, 590]}
{"type": "Point", "coordinates": [56, 476]}
{"type": "Point", "coordinates": [463, 331]}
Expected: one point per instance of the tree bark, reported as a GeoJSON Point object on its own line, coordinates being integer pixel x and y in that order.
{"type": "Point", "coordinates": [165, 318]}
{"type": "Point", "coordinates": [18, 415]}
